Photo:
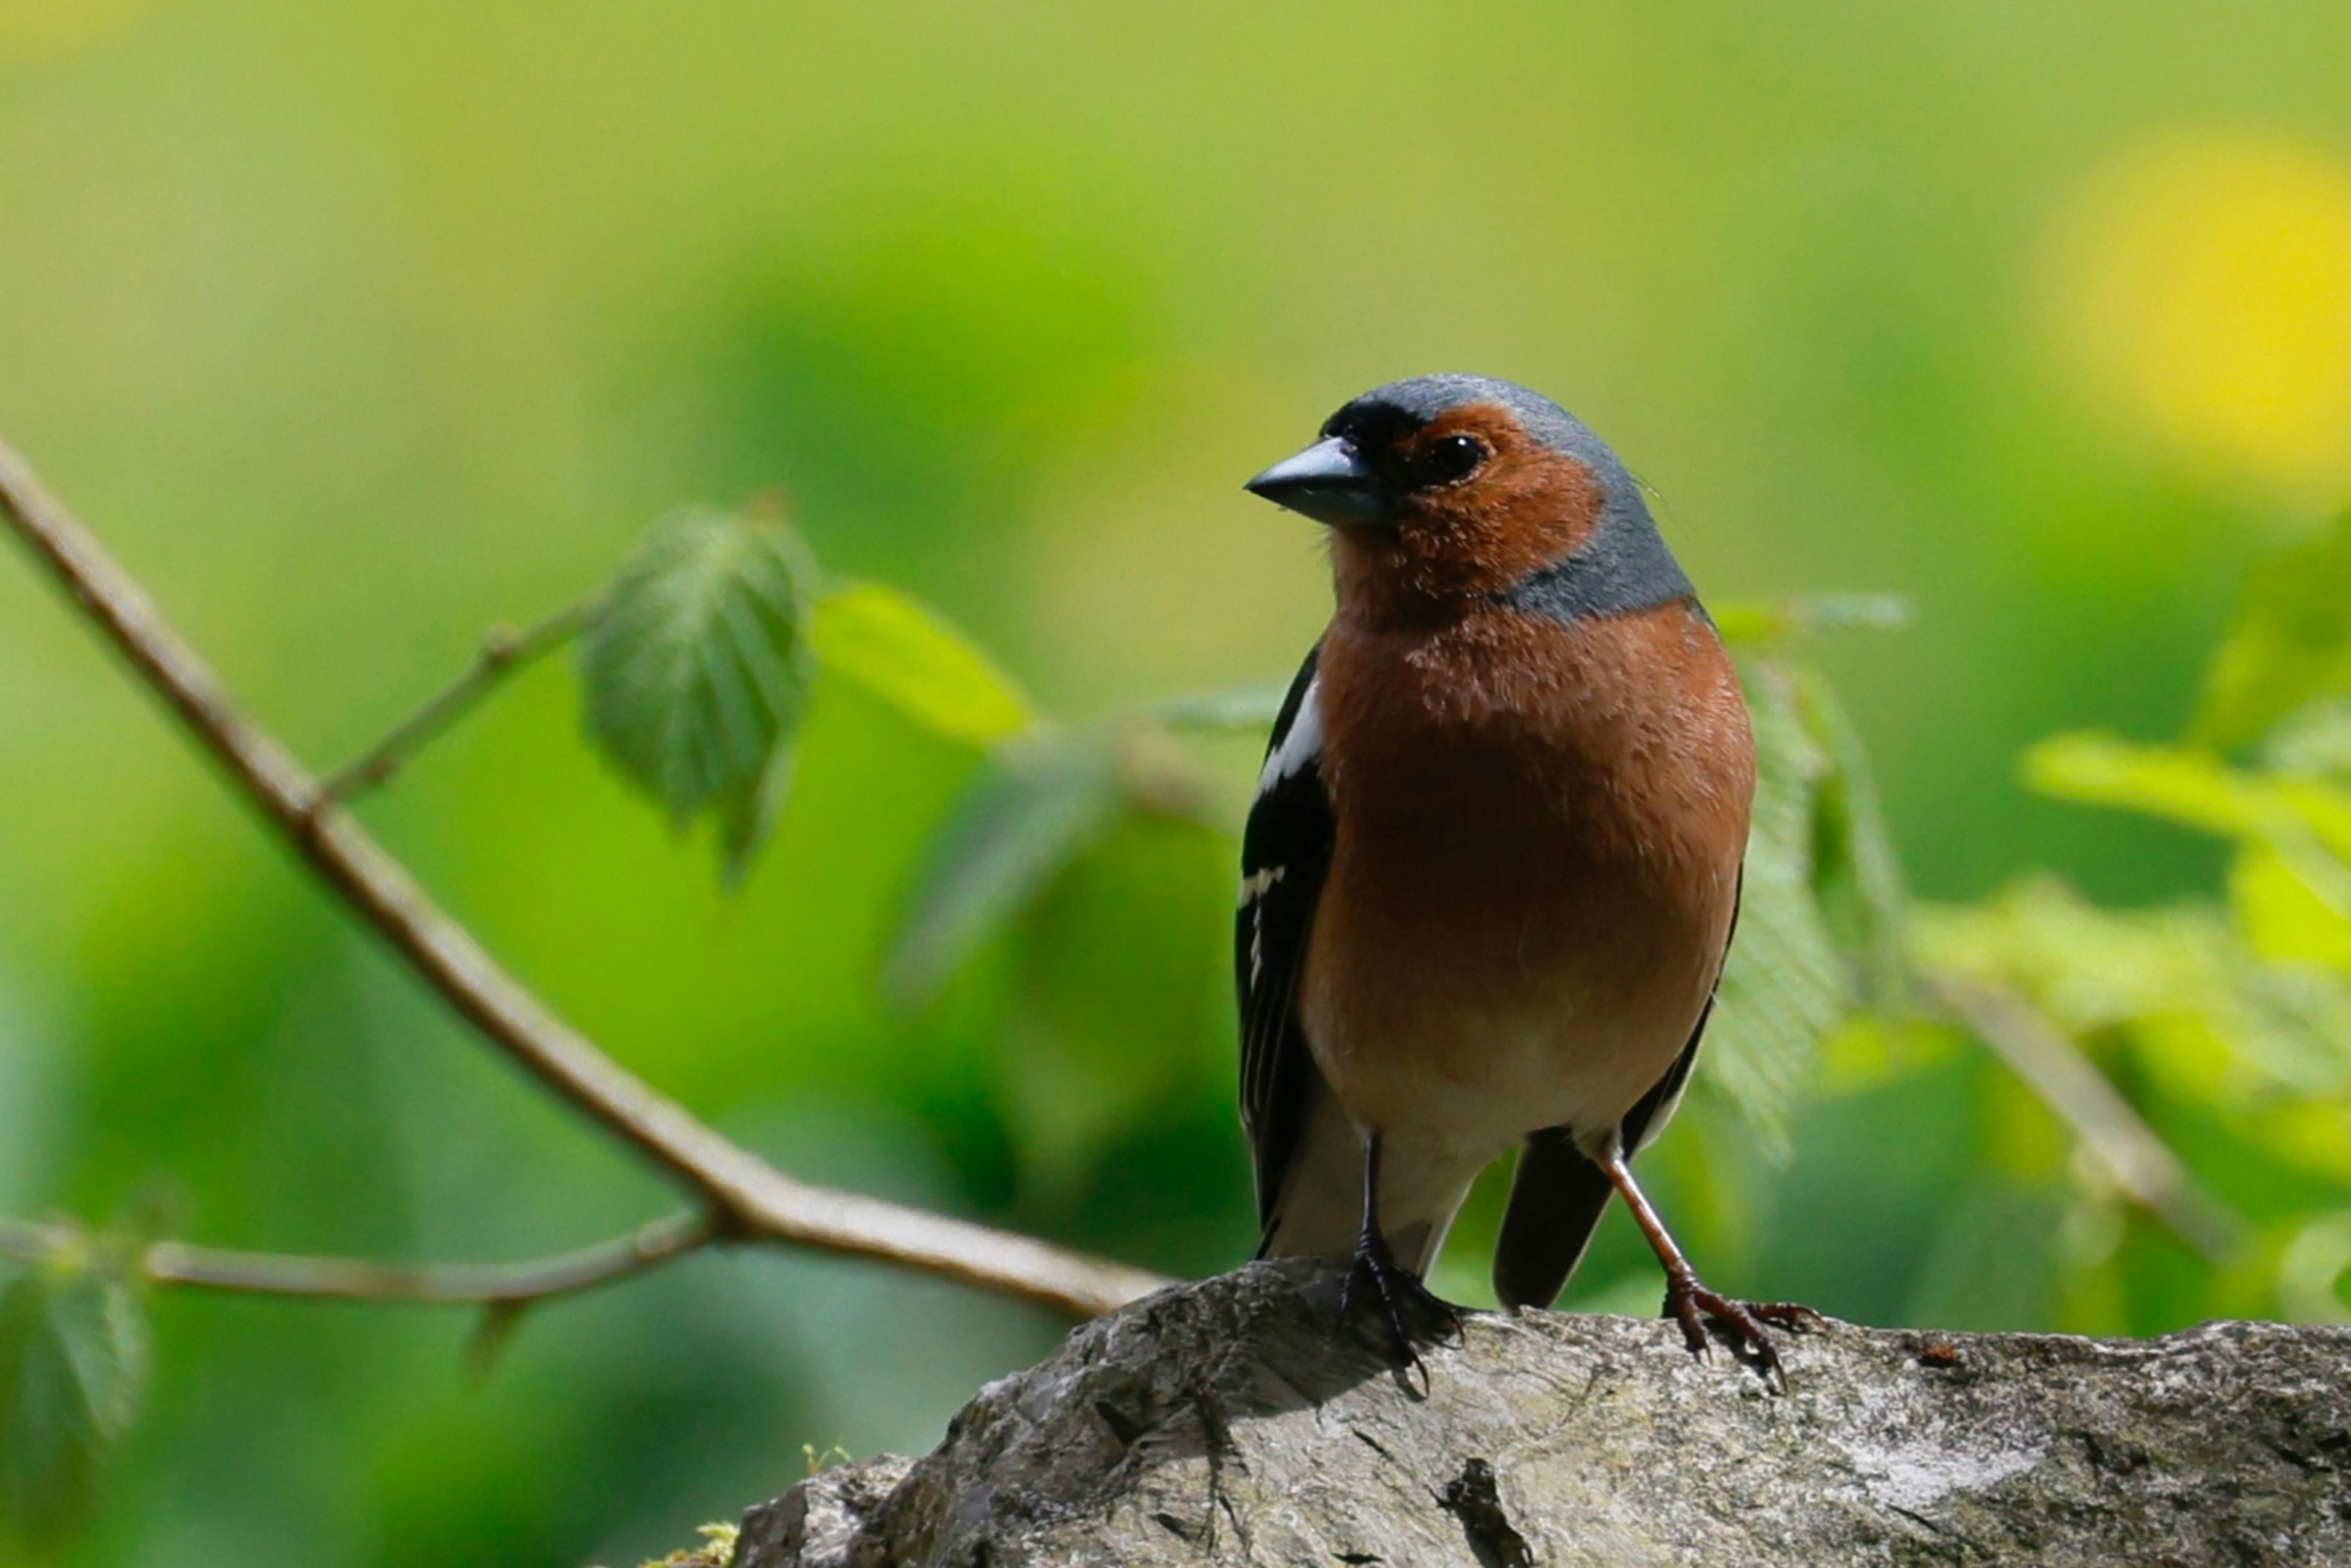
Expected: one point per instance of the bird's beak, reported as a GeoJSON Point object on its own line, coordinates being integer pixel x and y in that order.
{"type": "Point", "coordinates": [1326, 482]}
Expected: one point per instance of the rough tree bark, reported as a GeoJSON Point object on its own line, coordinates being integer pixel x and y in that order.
{"type": "Point", "coordinates": [1226, 1423]}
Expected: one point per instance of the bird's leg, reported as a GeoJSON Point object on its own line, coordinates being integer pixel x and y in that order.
{"type": "Point", "coordinates": [1687, 1300]}
{"type": "Point", "coordinates": [1409, 1309]}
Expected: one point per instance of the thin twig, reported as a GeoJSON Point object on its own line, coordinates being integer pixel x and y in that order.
{"type": "Point", "coordinates": [509, 1285]}
{"type": "Point", "coordinates": [752, 1198]}
{"type": "Point", "coordinates": [503, 653]}
{"type": "Point", "coordinates": [2108, 1126]}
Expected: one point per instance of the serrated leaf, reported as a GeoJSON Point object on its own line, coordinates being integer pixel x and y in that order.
{"type": "Point", "coordinates": [1251, 708]}
{"type": "Point", "coordinates": [2289, 643]}
{"type": "Point", "coordinates": [1031, 810]}
{"type": "Point", "coordinates": [73, 1362]}
{"type": "Point", "coordinates": [1856, 876]}
{"type": "Point", "coordinates": [1786, 985]}
{"type": "Point", "coordinates": [696, 673]}
{"type": "Point", "coordinates": [904, 652]}
{"type": "Point", "coordinates": [747, 816]}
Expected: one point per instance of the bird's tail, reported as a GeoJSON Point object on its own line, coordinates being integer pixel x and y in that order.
{"type": "Point", "coordinates": [1556, 1201]}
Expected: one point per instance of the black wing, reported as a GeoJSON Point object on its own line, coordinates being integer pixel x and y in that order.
{"type": "Point", "coordinates": [1559, 1195]}
{"type": "Point", "coordinates": [1285, 854]}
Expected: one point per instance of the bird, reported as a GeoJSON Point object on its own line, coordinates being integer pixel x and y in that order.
{"type": "Point", "coordinates": [1492, 868]}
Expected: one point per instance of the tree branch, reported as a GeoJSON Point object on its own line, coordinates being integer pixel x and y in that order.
{"type": "Point", "coordinates": [2070, 1084]}
{"type": "Point", "coordinates": [503, 653]}
{"type": "Point", "coordinates": [753, 1199]}
{"type": "Point", "coordinates": [512, 1285]}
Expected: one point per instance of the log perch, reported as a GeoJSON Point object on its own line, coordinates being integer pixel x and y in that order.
{"type": "Point", "coordinates": [1228, 1423]}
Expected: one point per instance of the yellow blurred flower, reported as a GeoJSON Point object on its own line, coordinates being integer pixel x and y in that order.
{"type": "Point", "coordinates": [2201, 287]}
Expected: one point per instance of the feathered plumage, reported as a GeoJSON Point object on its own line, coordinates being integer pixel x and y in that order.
{"type": "Point", "coordinates": [1493, 866]}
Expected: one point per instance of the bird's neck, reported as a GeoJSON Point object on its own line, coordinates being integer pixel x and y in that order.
{"type": "Point", "coordinates": [1621, 568]}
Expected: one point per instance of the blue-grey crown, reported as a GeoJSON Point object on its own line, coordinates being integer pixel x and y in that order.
{"type": "Point", "coordinates": [1424, 398]}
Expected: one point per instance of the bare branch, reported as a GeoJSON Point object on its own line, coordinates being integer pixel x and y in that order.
{"type": "Point", "coordinates": [2070, 1085]}
{"type": "Point", "coordinates": [752, 1198]}
{"type": "Point", "coordinates": [503, 653]}
{"type": "Point", "coordinates": [178, 1264]}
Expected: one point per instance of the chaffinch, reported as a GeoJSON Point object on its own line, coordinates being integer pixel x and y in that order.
{"type": "Point", "coordinates": [1493, 865]}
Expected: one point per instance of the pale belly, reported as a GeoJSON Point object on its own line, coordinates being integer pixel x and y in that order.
{"type": "Point", "coordinates": [1463, 1027]}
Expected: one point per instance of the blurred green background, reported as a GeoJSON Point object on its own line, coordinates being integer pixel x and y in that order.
{"type": "Point", "coordinates": [356, 328]}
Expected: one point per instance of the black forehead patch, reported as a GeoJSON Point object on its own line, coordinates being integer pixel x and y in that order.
{"type": "Point", "coordinates": [1390, 413]}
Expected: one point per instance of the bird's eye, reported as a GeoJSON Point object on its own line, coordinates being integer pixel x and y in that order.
{"type": "Point", "coordinates": [1451, 459]}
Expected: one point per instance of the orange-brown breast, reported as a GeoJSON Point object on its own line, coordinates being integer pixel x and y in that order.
{"type": "Point", "coordinates": [1539, 830]}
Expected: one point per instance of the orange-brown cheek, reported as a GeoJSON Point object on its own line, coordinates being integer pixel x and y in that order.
{"type": "Point", "coordinates": [1521, 515]}
{"type": "Point", "coordinates": [1528, 507]}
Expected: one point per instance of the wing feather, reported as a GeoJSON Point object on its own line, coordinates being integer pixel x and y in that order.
{"type": "Point", "coordinates": [1285, 855]}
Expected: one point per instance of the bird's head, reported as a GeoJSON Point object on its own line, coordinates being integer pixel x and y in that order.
{"type": "Point", "coordinates": [1446, 490]}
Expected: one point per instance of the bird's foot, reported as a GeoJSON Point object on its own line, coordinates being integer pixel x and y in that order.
{"type": "Point", "coordinates": [1411, 1313]}
{"type": "Point", "coordinates": [1692, 1305]}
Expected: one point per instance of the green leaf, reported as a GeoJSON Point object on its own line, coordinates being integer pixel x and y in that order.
{"type": "Point", "coordinates": [696, 671]}
{"type": "Point", "coordinates": [1786, 984]}
{"type": "Point", "coordinates": [2193, 788]}
{"type": "Point", "coordinates": [1251, 709]}
{"type": "Point", "coordinates": [1856, 877]}
{"type": "Point", "coordinates": [903, 652]}
{"type": "Point", "coordinates": [1032, 809]}
{"type": "Point", "coordinates": [2283, 919]}
{"type": "Point", "coordinates": [2316, 740]}
{"type": "Point", "coordinates": [73, 1359]}
{"type": "Point", "coordinates": [746, 817]}
{"type": "Point", "coordinates": [2304, 822]}
{"type": "Point", "coordinates": [2176, 983]}
{"type": "Point", "coordinates": [1758, 622]}
{"type": "Point", "coordinates": [2089, 968]}
{"type": "Point", "coordinates": [2291, 641]}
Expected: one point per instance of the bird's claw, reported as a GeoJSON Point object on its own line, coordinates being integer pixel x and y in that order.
{"type": "Point", "coordinates": [1692, 1305]}
{"type": "Point", "coordinates": [1410, 1312]}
